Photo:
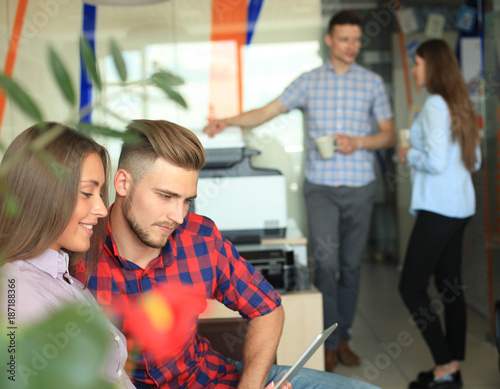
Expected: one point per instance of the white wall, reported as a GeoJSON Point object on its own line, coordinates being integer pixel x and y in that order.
{"type": "Point", "coordinates": [47, 22]}
{"type": "Point", "coordinates": [178, 31]}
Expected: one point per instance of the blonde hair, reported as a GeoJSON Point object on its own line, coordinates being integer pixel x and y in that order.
{"type": "Point", "coordinates": [46, 200]}
{"type": "Point", "coordinates": [444, 77]}
{"type": "Point", "coordinates": [160, 139]}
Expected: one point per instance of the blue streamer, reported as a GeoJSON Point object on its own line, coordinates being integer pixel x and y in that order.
{"type": "Point", "coordinates": [88, 30]}
{"type": "Point", "coordinates": [253, 15]}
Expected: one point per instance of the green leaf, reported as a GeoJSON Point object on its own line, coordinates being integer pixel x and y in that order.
{"type": "Point", "coordinates": [90, 62]}
{"type": "Point", "coordinates": [162, 80]}
{"type": "Point", "coordinates": [106, 131]}
{"type": "Point", "coordinates": [118, 60]}
{"type": "Point", "coordinates": [65, 350]}
{"type": "Point", "coordinates": [167, 78]}
{"type": "Point", "coordinates": [42, 126]}
{"type": "Point", "coordinates": [10, 203]}
{"type": "Point", "coordinates": [19, 97]}
{"type": "Point", "coordinates": [176, 97]}
{"type": "Point", "coordinates": [62, 77]}
{"type": "Point", "coordinates": [56, 169]}
{"type": "Point", "coordinates": [45, 138]}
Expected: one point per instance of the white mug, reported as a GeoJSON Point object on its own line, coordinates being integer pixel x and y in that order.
{"type": "Point", "coordinates": [404, 137]}
{"type": "Point", "coordinates": [326, 146]}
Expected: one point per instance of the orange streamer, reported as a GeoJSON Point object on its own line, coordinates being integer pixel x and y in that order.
{"type": "Point", "coordinates": [406, 70]}
{"type": "Point", "coordinates": [228, 37]}
{"type": "Point", "coordinates": [12, 53]}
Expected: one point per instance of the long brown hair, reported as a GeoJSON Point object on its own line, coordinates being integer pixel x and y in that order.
{"type": "Point", "coordinates": [160, 139]}
{"type": "Point", "coordinates": [46, 200]}
{"type": "Point", "coordinates": [443, 77]}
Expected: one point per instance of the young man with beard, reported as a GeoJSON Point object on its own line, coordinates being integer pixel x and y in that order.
{"type": "Point", "coordinates": [153, 240]}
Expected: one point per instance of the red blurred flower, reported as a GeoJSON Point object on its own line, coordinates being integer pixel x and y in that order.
{"type": "Point", "coordinates": [164, 320]}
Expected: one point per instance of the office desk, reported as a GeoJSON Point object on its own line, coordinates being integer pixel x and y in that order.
{"type": "Point", "coordinates": [294, 239]}
{"type": "Point", "coordinates": [303, 322]}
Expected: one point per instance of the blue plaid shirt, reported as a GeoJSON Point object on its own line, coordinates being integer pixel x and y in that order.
{"type": "Point", "coordinates": [335, 104]}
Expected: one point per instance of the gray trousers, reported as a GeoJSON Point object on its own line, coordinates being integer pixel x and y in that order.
{"type": "Point", "coordinates": [339, 222]}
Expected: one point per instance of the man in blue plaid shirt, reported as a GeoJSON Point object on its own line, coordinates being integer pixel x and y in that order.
{"type": "Point", "coordinates": [339, 99]}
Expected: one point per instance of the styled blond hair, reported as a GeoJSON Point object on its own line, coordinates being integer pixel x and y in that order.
{"type": "Point", "coordinates": [160, 139]}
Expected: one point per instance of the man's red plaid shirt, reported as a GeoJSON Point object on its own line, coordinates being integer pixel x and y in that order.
{"type": "Point", "coordinates": [197, 255]}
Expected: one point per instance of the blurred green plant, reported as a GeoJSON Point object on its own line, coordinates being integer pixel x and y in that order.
{"type": "Point", "coordinates": [164, 80]}
{"type": "Point", "coordinates": [77, 363]}
{"type": "Point", "coordinates": [65, 350]}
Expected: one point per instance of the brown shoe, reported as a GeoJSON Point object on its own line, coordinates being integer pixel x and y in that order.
{"type": "Point", "coordinates": [331, 360]}
{"type": "Point", "coordinates": [347, 356]}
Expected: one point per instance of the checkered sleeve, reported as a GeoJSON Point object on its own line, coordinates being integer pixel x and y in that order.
{"type": "Point", "coordinates": [239, 286]}
{"type": "Point", "coordinates": [381, 104]}
{"type": "Point", "coordinates": [295, 96]}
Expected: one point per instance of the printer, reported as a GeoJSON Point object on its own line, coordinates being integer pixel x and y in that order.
{"type": "Point", "coordinates": [276, 262]}
{"type": "Point", "coordinates": [246, 203]}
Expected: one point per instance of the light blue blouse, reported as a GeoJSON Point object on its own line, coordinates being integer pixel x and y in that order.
{"type": "Point", "coordinates": [440, 181]}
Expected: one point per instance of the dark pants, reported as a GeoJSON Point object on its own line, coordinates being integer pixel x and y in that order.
{"type": "Point", "coordinates": [435, 248]}
{"type": "Point", "coordinates": [339, 222]}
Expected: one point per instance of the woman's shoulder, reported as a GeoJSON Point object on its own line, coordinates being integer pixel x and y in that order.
{"type": "Point", "coordinates": [22, 272]}
{"type": "Point", "coordinates": [34, 293]}
{"type": "Point", "coordinates": [435, 101]}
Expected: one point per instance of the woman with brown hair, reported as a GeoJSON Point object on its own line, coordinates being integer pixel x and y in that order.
{"type": "Point", "coordinates": [60, 192]}
{"type": "Point", "coordinates": [445, 149]}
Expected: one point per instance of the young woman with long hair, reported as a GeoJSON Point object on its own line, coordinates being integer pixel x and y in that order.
{"type": "Point", "coordinates": [445, 149]}
{"type": "Point", "coordinates": [60, 192]}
